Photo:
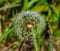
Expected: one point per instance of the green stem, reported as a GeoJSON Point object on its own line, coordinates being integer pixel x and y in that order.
{"type": "Point", "coordinates": [35, 41]}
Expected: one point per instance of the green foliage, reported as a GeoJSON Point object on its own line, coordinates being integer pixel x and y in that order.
{"type": "Point", "coordinates": [8, 5]}
{"type": "Point", "coordinates": [27, 5]}
{"type": "Point", "coordinates": [57, 34]}
{"type": "Point", "coordinates": [5, 34]}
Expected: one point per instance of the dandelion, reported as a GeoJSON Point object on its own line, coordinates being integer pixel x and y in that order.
{"type": "Point", "coordinates": [25, 21]}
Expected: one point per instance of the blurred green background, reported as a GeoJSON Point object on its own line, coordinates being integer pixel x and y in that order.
{"type": "Point", "coordinates": [49, 9]}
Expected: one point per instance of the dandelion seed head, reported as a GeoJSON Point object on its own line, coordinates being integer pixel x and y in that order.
{"type": "Point", "coordinates": [22, 18]}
